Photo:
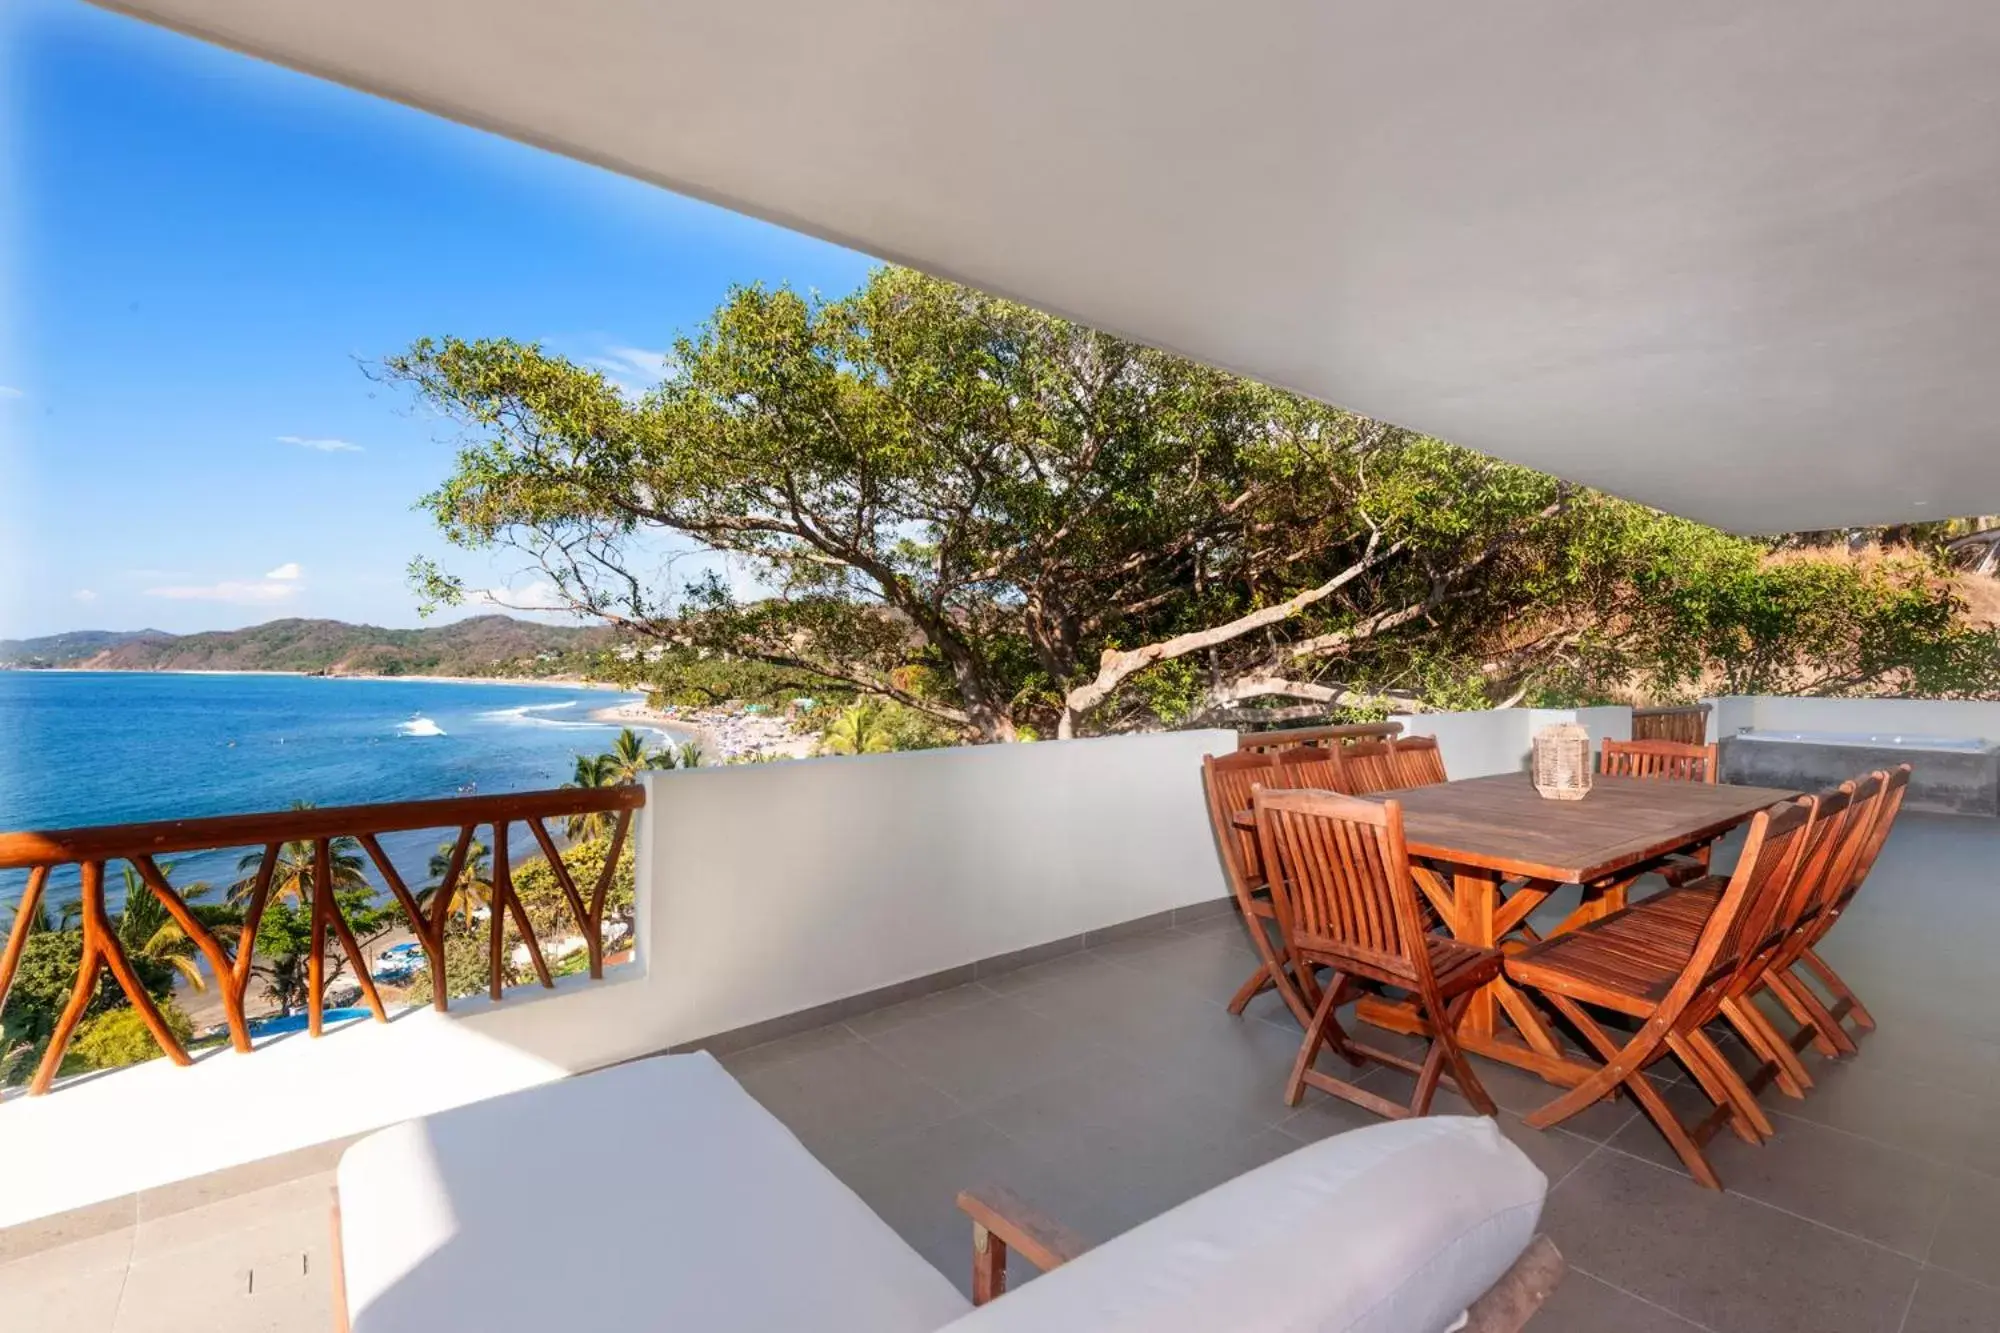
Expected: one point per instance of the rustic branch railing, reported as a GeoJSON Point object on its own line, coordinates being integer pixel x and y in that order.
{"type": "Point", "coordinates": [92, 849]}
{"type": "Point", "coordinates": [1292, 737]}
{"type": "Point", "coordinates": [1687, 724]}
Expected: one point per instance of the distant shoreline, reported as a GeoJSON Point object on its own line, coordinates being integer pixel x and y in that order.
{"type": "Point", "coordinates": [557, 682]}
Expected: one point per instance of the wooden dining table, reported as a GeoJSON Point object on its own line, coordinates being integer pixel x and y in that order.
{"type": "Point", "coordinates": [1488, 851]}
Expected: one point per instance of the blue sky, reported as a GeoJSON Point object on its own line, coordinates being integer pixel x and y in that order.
{"type": "Point", "coordinates": [203, 249]}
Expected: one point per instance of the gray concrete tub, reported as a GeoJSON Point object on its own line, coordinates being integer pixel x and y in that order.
{"type": "Point", "coordinates": [1948, 775]}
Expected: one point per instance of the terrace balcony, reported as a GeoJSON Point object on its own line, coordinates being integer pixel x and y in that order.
{"type": "Point", "coordinates": [1010, 964]}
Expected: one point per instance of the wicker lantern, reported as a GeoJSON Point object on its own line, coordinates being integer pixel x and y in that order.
{"type": "Point", "coordinates": [1562, 762]}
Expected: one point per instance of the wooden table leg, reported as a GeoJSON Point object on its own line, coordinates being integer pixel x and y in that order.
{"type": "Point", "coordinates": [1478, 898]}
{"type": "Point", "coordinates": [1474, 918]}
{"type": "Point", "coordinates": [1600, 899]}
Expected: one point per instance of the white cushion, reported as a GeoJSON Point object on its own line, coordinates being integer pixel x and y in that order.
{"type": "Point", "coordinates": [655, 1195]}
{"type": "Point", "coordinates": [1396, 1228]}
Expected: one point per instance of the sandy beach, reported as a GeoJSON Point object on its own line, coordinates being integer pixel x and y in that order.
{"type": "Point", "coordinates": [723, 736]}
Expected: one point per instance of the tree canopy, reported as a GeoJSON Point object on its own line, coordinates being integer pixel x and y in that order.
{"type": "Point", "coordinates": [1002, 520]}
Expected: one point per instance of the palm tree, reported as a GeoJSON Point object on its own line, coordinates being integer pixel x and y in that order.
{"type": "Point", "coordinates": [592, 772]}
{"type": "Point", "coordinates": [47, 920]}
{"type": "Point", "coordinates": [149, 931]}
{"type": "Point", "coordinates": [475, 879]}
{"type": "Point", "coordinates": [293, 875]}
{"type": "Point", "coordinates": [631, 754]}
{"type": "Point", "coordinates": [863, 729]}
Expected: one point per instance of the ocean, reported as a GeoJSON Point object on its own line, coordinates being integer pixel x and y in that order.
{"type": "Point", "coordinates": [82, 748]}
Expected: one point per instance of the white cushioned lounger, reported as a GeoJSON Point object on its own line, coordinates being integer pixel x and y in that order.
{"type": "Point", "coordinates": [660, 1196]}
{"type": "Point", "coordinates": [654, 1195]}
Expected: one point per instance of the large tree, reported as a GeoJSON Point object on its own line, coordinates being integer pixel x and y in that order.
{"type": "Point", "coordinates": [1001, 519]}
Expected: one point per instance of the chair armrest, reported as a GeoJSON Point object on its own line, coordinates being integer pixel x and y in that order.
{"type": "Point", "coordinates": [1511, 1302]}
{"type": "Point", "coordinates": [1001, 1219]}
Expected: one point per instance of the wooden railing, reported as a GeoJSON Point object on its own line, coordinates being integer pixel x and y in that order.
{"type": "Point", "coordinates": [1292, 737]}
{"type": "Point", "coordinates": [1687, 724]}
{"type": "Point", "coordinates": [140, 845]}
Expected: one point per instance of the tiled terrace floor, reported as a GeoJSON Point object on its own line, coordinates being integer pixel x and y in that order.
{"type": "Point", "coordinates": [1109, 1084]}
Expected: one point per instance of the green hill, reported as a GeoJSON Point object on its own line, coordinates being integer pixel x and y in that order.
{"type": "Point", "coordinates": [479, 646]}
{"type": "Point", "coordinates": [54, 649]}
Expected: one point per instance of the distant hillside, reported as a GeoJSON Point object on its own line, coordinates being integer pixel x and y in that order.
{"type": "Point", "coordinates": [57, 648]}
{"type": "Point", "coordinates": [480, 646]}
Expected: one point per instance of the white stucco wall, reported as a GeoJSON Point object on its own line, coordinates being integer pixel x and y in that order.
{"type": "Point", "coordinates": [1475, 744]}
{"type": "Point", "coordinates": [1500, 740]}
{"type": "Point", "coordinates": [762, 890]}
{"type": "Point", "coordinates": [785, 886]}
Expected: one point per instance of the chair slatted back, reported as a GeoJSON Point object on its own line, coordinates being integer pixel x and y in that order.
{"type": "Point", "coordinates": [1825, 841]}
{"type": "Point", "coordinates": [1339, 866]}
{"type": "Point", "coordinates": [1894, 784]}
{"type": "Point", "coordinates": [1228, 781]}
{"type": "Point", "coordinates": [1310, 767]}
{"type": "Point", "coordinates": [1369, 767]}
{"type": "Point", "coordinates": [1864, 811]}
{"type": "Point", "coordinates": [1756, 893]}
{"type": "Point", "coordinates": [1687, 724]}
{"type": "Point", "coordinates": [1672, 760]}
{"type": "Point", "coordinates": [1417, 761]}
{"type": "Point", "coordinates": [1293, 737]}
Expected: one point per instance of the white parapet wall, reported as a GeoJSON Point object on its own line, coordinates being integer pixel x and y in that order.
{"type": "Point", "coordinates": [762, 890]}
{"type": "Point", "coordinates": [781, 887]}
{"type": "Point", "coordinates": [1500, 740]}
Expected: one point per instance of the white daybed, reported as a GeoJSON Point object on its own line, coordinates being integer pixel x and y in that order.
{"type": "Point", "coordinates": [660, 1196]}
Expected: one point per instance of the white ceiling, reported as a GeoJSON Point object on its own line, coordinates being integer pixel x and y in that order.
{"type": "Point", "coordinates": [1738, 261]}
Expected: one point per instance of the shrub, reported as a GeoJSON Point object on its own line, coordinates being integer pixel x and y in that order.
{"type": "Point", "coordinates": [119, 1037]}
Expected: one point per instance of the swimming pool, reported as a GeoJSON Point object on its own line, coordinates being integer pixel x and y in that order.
{"type": "Point", "coordinates": [271, 1027]}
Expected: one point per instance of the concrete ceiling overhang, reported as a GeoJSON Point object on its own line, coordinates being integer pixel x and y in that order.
{"type": "Point", "coordinates": [1738, 261]}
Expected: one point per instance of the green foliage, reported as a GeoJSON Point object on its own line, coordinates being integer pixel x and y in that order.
{"type": "Point", "coordinates": [292, 874]}
{"type": "Point", "coordinates": [119, 1037]}
{"type": "Point", "coordinates": [1001, 521]}
{"type": "Point", "coordinates": [466, 960]}
{"type": "Point", "coordinates": [467, 945]}
{"type": "Point", "coordinates": [284, 945]}
{"type": "Point", "coordinates": [542, 896]}
{"type": "Point", "coordinates": [42, 985]}
{"type": "Point", "coordinates": [875, 726]}
{"type": "Point", "coordinates": [474, 886]}
{"type": "Point", "coordinates": [149, 931]}
{"type": "Point", "coordinates": [693, 678]}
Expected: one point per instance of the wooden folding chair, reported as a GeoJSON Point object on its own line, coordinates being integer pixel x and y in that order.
{"type": "Point", "coordinates": [1340, 876]}
{"type": "Point", "coordinates": [1622, 963]}
{"type": "Point", "coordinates": [1659, 759]}
{"type": "Point", "coordinates": [1369, 768]}
{"type": "Point", "coordinates": [1228, 781]}
{"type": "Point", "coordinates": [1311, 767]}
{"type": "Point", "coordinates": [1417, 761]}
{"type": "Point", "coordinates": [1672, 761]}
{"type": "Point", "coordinates": [1821, 1022]}
{"type": "Point", "coordinates": [1680, 914]}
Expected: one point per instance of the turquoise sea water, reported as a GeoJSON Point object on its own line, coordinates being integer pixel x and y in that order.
{"type": "Point", "coordinates": [81, 748]}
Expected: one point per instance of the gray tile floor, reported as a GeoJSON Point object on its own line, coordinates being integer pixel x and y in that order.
{"type": "Point", "coordinates": [1109, 1084]}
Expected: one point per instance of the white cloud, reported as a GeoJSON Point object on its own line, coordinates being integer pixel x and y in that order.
{"type": "Point", "coordinates": [9, 391]}
{"type": "Point", "coordinates": [84, 595]}
{"type": "Point", "coordinates": [325, 446]}
{"type": "Point", "coordinates": [534, 595]}
{"type": "Point", "coordinates": [279, 585]}
{"type": "Point", "coordinates": [633, 371]}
